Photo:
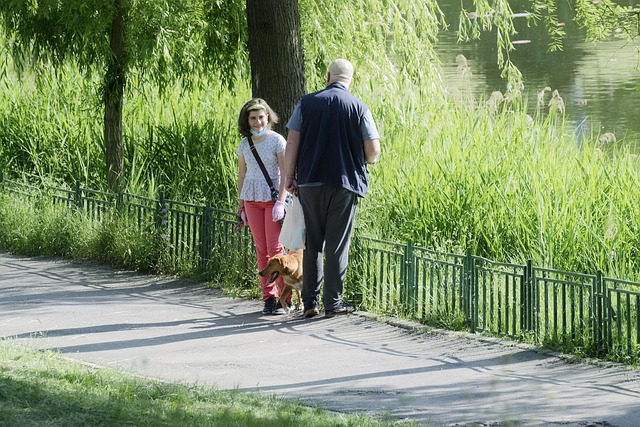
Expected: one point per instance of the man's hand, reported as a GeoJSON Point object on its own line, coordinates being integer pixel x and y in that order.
{"type": "Point", "coordinates": [291, 185]}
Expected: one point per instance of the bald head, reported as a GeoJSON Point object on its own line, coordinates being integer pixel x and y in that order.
{"type": "Point", "coordinates": [341, 71]}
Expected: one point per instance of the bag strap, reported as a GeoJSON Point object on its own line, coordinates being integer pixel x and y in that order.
{"type": "Point", "coordinates": [262, 168]}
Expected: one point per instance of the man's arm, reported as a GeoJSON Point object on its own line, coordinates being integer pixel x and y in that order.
{"type": "Point", "coordinates": [371, 151]}
{"type": "Point", "coordinates": [291, 160]}
{"type": "Point", "coordinates": [371, 138]}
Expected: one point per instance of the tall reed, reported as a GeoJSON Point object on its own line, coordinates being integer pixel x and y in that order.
{"type": "Point", "coordinates": [182, 142]}
{"type": "Point", "coordinates": [508, 188]}
{"type": "Point", "coordinates": [49, 126]}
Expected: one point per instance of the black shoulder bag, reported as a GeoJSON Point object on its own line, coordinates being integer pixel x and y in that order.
{"type": "Point", "coordinates": [274, 193]}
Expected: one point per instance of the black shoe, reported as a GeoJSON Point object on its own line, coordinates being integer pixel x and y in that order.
{"type": "Point", "coordinates": [269, 305]}
{"type": "Point", "coordinates": [311, 310]}
{"type": "Point", "coordinates": [278, 310]}
{"type": "Point", "coordinates": [339, 310]}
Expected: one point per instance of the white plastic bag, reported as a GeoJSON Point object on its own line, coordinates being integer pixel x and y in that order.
{"type": "Point", "coordinates": [292, 235]}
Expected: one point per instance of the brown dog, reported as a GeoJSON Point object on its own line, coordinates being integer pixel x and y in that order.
{"type": "Point", "coordinates": [288, 266]}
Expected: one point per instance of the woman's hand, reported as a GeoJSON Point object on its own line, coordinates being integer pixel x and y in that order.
{"type": "Point", "coordinates": [277, 213]}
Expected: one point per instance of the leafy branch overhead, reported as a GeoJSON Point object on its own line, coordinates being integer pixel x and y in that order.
{"type": "Point", "coordinates": [177, 38]}
{"type": "Point", "coordinates": [601, 19]}
{"type": "Point", "coordinates": [164, 40]}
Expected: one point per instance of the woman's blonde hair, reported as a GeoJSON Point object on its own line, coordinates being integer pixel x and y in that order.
{"type": "Point", "coordinates": [252, 105]}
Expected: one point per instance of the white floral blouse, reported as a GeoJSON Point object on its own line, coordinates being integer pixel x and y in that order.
{"type": "Point", "coordinates": [255, 187]}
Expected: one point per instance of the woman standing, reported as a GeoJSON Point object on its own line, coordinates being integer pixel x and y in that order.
{"type": "Point", "coordinates": [257, 202]}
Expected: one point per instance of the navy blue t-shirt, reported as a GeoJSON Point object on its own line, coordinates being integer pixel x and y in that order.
{"type": "Point", "coordinates": [331, 150]}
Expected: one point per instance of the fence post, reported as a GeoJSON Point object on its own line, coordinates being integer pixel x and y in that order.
{"type": "Point", "coordinates": [469, 286]}
{"type": "Point", "coordinates": [162, 221]}
{"type": "Point", "coordinates": [601, 325]}
{"type": "Point", "coordinates": [609, 313]}
{"type": "Point", "coordinates": [161, 211]}
{"type": "Point", "coordinates": [409, 293]}
{"type": "Point", "coordinates": [356, 273]}
{"type": "Point", "coordinates": [77, 196]}
{"type": "Point", "coordinates": [528, 310]}
{"type": "Point", "coordinates": [119, 199]}
{"type": "Point", "coordinates": [205, 236]}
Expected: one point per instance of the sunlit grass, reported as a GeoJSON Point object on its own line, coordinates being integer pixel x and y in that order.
{"type": "Point", "coordinates": [38, 389]}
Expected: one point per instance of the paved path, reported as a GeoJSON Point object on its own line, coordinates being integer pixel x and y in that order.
{"type": "Point", "coordinates": [179, 330]}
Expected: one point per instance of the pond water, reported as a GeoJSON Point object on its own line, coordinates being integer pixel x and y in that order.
{"type": "Point", "coordinates": [599, 83]}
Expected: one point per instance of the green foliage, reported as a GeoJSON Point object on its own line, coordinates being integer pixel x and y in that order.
{"type": "Point", "coordinates": [118, 241]}
{"type": "Point", "coordinates": [390, 44]}
{"type": "Point", "coordinates": [507, 187]}
{"type": "Point", "coordinates": [482, 18]}
{"type": "Point", "coordinates": [163, 40]}
{"type": "Point", "coordinates": [482, 176]}
{"type": "Point", "coordinates": [233, 266]}
{"type": "Point", "coordinates": [50, 127]}
{"type": "Point", "coordinates": [605, 18]}
{"type": "Point", "coordinates": [451, 176]}
{"type": "Point", "coordinates": [185, 144]}
{"type": "Point", "coordinates": [445, 319]}
{"type": "Point", "coordinates": [547, 10]}
{"type": "Point", "coordinates": [225, 41]}
{"type": "Point", "coordinates": [43, 30]}
{"type": "Point", "coordinates": [493, 17]}
{"type": "Point", "coordinates": [182, 144]}
{"type": "Point", "coordinates": [39, 228]}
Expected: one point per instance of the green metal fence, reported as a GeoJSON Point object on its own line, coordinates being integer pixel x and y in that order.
{"type": "Point", "coordinates": [194, 237]}
{"type": "Point", "coordinates": [589, 313]}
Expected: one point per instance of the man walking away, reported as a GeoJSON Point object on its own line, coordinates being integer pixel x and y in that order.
{"type": "Point", "coordinates": [332, 138]}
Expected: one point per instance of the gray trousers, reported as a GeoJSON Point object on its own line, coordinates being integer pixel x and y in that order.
{"type": "Point", "coordinates": [329, 214]}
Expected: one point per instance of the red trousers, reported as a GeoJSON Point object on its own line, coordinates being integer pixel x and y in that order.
{"type": "Point", "coordinates": [265, 234]}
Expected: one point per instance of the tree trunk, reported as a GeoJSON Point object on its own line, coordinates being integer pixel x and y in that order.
{"type": "Point", "coordinates": [114, 83]}
{"type": "Point", "coordinates": [275, 54]}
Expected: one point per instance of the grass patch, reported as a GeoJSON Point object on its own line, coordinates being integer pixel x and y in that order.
{"type": "Point", "coordinates": [38, 389]}
{"type": "Point", "coordinates": [36, 226]}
